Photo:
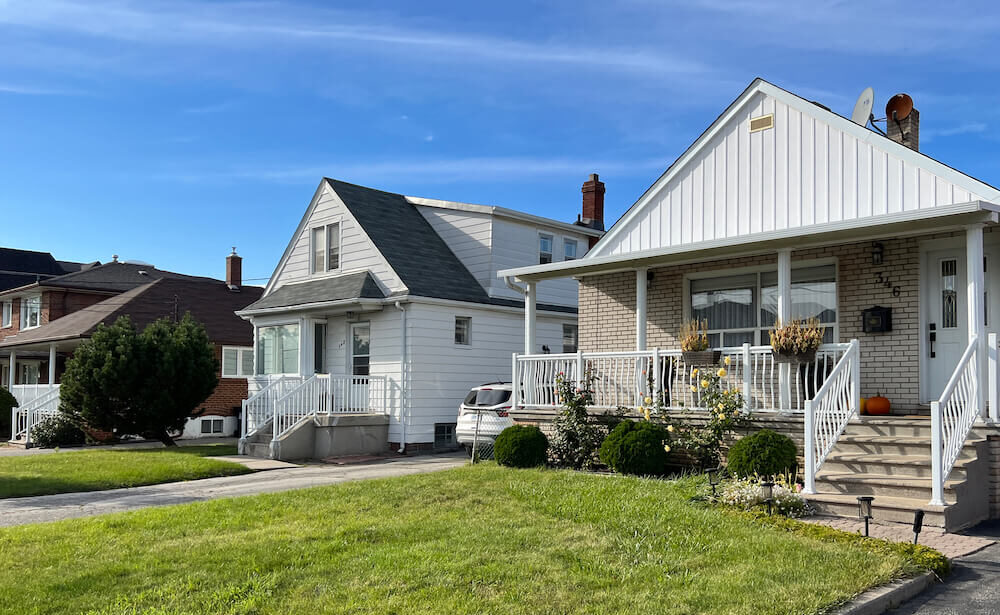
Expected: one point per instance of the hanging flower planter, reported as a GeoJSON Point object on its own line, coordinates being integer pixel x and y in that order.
{"type": "Point", "coordinates": [796, 342]}
{"type": "Point", "coordinates": [795, 358]}
{"type": "Point", "coordinates": [701, 358]}
{"type": "Point", "coordinates": [694, 345]}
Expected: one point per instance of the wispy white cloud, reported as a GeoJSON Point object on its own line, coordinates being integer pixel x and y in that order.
{"type": "Point", "coordinates": [967, 128]}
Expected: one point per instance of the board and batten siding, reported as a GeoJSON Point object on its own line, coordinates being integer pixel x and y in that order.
{"type": "Point", "coordinates": [357, 252]}
{"type": "Point", "coordinates": [515, 244]}
{"type": "Point", "coordinates": [469, 235]}
{"type": "Point", "coordinates": [810, 168]}
{"type": "Point", "coordinates": [443, 372]}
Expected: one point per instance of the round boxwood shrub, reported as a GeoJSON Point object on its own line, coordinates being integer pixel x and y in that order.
{"type": "Point", "coordinates": [636, 448]}
{"type": "Point", "coordinates": [521, 446]}
{"type": "Point", "coordinates": [7, 403]}
{"type": "Point", "coordinates": [55, 431]}
{"type": "Point", "coordinates": [764, 453]}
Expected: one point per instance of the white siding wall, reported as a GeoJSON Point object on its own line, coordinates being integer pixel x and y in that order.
{"type": "Point", "coordinates": [515, 244]}
{"type": "Point", "coordinates": [469, 236]}
{"type": "Point", "coordinates": [357, 253]}
{"type": "Point", "coordinates": [803, 171]}
{"type": "Point", "coordinates": [443, 372]}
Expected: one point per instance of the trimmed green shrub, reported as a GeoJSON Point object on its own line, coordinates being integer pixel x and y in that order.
{"type": "Point", "coordinates": [636, 448]}
{"type": "Point", "coordinates": [765, 453]}
{"type": "Point", "coordinates": [521, 446]}
{"type": "Point", "coordinates": [7, 403]}
{"type": "Point", "coordinates": [56, 431]}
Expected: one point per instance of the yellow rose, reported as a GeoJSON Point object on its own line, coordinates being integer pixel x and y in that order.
{"type": "Point", "coordinates": [722, 406]}
{"type": "Point", "coordinates": [646, 413]}
{"type": "Point", "coordinates": [722, 372]}
{"type": "Point", "coordinates": [704, 384]}
{"type": "Point", "coordinates": [694, 372]}
{"type": "Point", "coordinates": [694, 389]}
{"type": "Point", "coordinates": [666, 447]}
{"type": "Point", "coordinates": [649, 400]}
{"type": "Point", "coordinates": [722, 416]}
{"type": "Point", "coordinates": [727, 360]}
{"type": "Point", "coordinates": [670, 427]}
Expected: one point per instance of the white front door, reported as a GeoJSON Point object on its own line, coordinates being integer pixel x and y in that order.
{"type": "Point", "coordinates": [946, 329]}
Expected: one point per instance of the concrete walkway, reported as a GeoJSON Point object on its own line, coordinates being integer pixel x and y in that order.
{"type": "Point", "coordinates": [39, 509]}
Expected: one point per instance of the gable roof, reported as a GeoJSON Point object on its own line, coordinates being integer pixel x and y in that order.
{"type": "Point", "coordinates": [359, 285]}
{"type": "Point", "coordinates": [210, 302]}
{"type": "Point", "coordinates": [23, 267]}
{"type": "Point", "coordinates": [114, 277]}
{"type": "Point", "coordinates": [971, 187]}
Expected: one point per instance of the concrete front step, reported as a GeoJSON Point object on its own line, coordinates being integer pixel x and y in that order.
{"type": "Point", "coordinates": [896, 445]}
{"type": "Point", "coordinates": [259, 449]}
{"type": "Point", "coordinates": [884, 508]}
{"type": "Point", "coordinates": [909, 466]}
{"type": "Point", "coordinates": [883, 485]}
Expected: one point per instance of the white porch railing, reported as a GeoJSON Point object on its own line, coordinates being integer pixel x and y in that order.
{"type": "Point", "coordinates": [259, 407]}
{"type": "Point", "coordinates": [952, 418]}
{"type": "Point", "coordinates": [330, 394]}
{"type": "Point", "coordinates": [29, 414]}
{"type": "Point", "coordinates": [829, 411]}
{"type": "Point", "coordinates": [25, 393]}
{"type": "Point", "coordinates": [621, 379]}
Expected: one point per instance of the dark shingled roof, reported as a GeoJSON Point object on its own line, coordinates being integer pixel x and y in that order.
{"type": "Point", "coordinates": [116, 277]}
{"type": "Point", "coordinates": [23, 267]}
{"type": "Point", "coordinates": [209, 301]}
{"type": "Point", "coordinates": [423, 261]}
{"type": "Point", "coordinates": [350, 286]}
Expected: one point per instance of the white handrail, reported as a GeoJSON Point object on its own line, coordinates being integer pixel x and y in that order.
{"type": "Point", "coordinates": [829, 411]}
{"type": "Point", "coordinates": [329, 394]}
{"type": "Point", "coordinates": [24, 418]}
{"type": "Point", "coordinates": [259, 407]}
{"type": "Point", "coordinates": [952, 418]}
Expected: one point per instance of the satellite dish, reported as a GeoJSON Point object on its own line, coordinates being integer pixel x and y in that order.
{"type": "Point", "coordinates": [863, 108]}
{"type": "Point", "coordinates": [898, 107]}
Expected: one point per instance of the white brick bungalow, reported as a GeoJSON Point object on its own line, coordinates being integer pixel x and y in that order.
{"type": "Point", "coordinates": [783, 209]}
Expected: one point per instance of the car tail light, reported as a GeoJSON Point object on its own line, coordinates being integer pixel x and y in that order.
{"type": "Point", "coordinates": [502, 412]}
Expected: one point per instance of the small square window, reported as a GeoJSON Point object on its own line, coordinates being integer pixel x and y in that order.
{"type": "Point", "coordinates": [444, 435]}
{"type": "Point", "coordinates": [206, 426]}
{"type": "Point", "coordinates": [544, 249]}
{"type": "Point", "coordinates": [237, 362]}
{"type": "Point", "coordinates": [569, 249]}
{"type": "Point", "coordinates": [462, 326]}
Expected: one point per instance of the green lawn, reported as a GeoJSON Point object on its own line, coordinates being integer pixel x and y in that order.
{"type": "Point", "coordinates": [478, 539]}
{"type": "Point", "coordinates": [92, 470]}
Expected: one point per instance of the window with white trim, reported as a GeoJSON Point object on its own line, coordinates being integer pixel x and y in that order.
{"type": "Point", "coordinates": [8, 314]}
{"type": "Point", "coordinates": [278, 350]}
{"type": "Point", "coordinates": [544, 248]}
{"type": "Point", "coordinates": [324, 248]}
{"type": "Point", "coordinates": [463, 326]}
{"type": "Point", "coordinates": [743, 308]}
{"type": "Point", "coordinates": [31, 312]}
{"type": "Point", "coordinates": [211, 426]}
{"type": "Point", "coordinates": [570, 338]}
{"type": "Point", "coordinates": [237, 362]}
{"type": "Point", "coordinates": [569, 249]}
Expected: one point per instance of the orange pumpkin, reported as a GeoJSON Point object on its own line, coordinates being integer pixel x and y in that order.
{"type": "Point", "coordinates": [877, 405]}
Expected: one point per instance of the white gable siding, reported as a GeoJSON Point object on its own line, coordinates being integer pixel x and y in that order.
{"type": "Point", "coordinates": [805, 170]}
{"type": "Point", "coordinates": [516, 245]}
{"type": "Point", "coordinates": [442, 372]}
{"type": "Point", "coordinates": [468, 234]}
{"type": "Point", "coordinates": [357, 252]}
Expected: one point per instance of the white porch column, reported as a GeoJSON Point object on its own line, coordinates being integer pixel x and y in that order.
{"type": "Point", "coordinates": [784, 316]}
{"type": "Point", "coordinates": [640, 308]}
{"type": "Point", "coordinates": [13, 370]}
{"type": "Point", "coordinates": [52, 364]}
{"type": "Point", "coordinates": [529, 318]}
{"type": "Point", "coordinates": [975, 288]}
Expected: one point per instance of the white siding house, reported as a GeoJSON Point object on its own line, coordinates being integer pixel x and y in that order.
{"type": "Point", "coordinates": [360, 314]}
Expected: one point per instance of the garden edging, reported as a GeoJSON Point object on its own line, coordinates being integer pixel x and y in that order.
{"type": "Point", "coordinates": [881, 599]}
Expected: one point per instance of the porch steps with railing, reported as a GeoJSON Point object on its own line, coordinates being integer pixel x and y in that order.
{"type": "Point", "coordinates": [890, 459]}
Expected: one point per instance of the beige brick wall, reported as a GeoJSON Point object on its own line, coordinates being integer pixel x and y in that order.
{"type": "Point", "coordinates": [890, 361]}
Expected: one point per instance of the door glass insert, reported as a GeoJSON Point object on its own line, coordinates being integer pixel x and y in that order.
{"type": "Point", "coordinates": [949, 294]}
{"type": "Point", "coordinates": [360, 349]}
{"type": "Point", "coordinates": [319, 348]}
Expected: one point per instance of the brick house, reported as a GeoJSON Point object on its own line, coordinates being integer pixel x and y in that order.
{"type": "Point", "coordinates": [49, 318]}
{"type": "Point", "coordinates": [784, 210]}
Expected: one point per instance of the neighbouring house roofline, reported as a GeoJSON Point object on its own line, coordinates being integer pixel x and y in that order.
{"type": "Point", "coordinates": [758, 85]}
{"type": "Point", "coordinates": [503, 212]}
{"type": "Point", "coordinates": [911, 222]}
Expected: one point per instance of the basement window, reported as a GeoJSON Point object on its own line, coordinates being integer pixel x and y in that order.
{"type": "Point", "coordinates": [211, 426]}
{"type": "Point", "coordinates": [444, 435]}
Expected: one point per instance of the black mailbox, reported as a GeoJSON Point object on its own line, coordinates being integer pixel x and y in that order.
{"type": "Point", "coordinates": [877, 319]}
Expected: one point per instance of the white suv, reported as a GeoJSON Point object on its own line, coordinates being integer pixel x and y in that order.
{"type": "Point", "coordinates": [489, 402]}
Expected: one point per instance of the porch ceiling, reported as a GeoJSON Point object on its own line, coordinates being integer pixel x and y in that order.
{"type": "Point", "coordinates": [915, 222]}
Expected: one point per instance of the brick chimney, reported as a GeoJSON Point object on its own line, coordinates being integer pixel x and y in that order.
{"type": "Point", "coordinates": [234, 270]}
{"type": "Point", "coordinates": [593, 203]}
{"type": "Point", "coordinates": [906, 131]}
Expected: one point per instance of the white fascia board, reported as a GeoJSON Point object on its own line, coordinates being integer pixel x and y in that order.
{"type": "Point", "coordinates": [503, 212]}
{"type": "Point", "coordinates": [302, 307]}
{"type": "Point", "coordinates": [473, 305]}
{"type": "Point", "coordinates": [298, 231]}
{"type": "Point", "coordinates": [910, 222]}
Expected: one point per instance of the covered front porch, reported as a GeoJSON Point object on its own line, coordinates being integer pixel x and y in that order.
{"type": "Point", "coordinates": [32, 376]}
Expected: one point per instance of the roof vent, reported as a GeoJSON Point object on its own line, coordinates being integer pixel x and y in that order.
{"type": "Point", "coordinates": [763, 122]}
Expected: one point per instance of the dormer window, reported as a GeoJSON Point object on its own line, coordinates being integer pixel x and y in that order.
{"type": "Point", "coordinates": [569, 249]}
{"type": "Point", "coordinates": [544, 249]}
{"type": "Point", "coordinates": [325, 248]}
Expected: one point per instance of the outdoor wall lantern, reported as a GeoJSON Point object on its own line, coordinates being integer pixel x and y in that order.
{"type": "Point", "coordinates": [713, 478]}
{"type": "Point", "coordinates": [865, 509]}
{"type": "Point", "coordinates": [877, 251]}
{"type": "Point", "coordinates": [918, 524]}
{"type": "Point", "coordinates": [767, 489]}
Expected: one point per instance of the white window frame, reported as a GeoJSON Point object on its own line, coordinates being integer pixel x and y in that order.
{"type": "Point", "coordinates": [324, 230]}
{"type": "Point", "coordinates": [468, 330]}
{"type": "Point", "coordinates": [258, 366]}
{"type": "Point", "coordinates": [7, 320]}
{"type": "Point", "coordinates": [240, 352]}
{"type": "Point", "coordinates": [759, 331]}
{"type": "Point", "coordinates": [212, 422]}
{"type": "Point", "coordinates": [576, 249]}
{"type": "Point", "coordinates": [25, 302]}
{"type": "Point", "coordinates": [552, 247]}
{"type": "Point", "coordinates": [576, 336]}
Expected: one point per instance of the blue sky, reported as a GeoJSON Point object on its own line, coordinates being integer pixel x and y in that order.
{"type": "Point", "coordinates": [169, 131]}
